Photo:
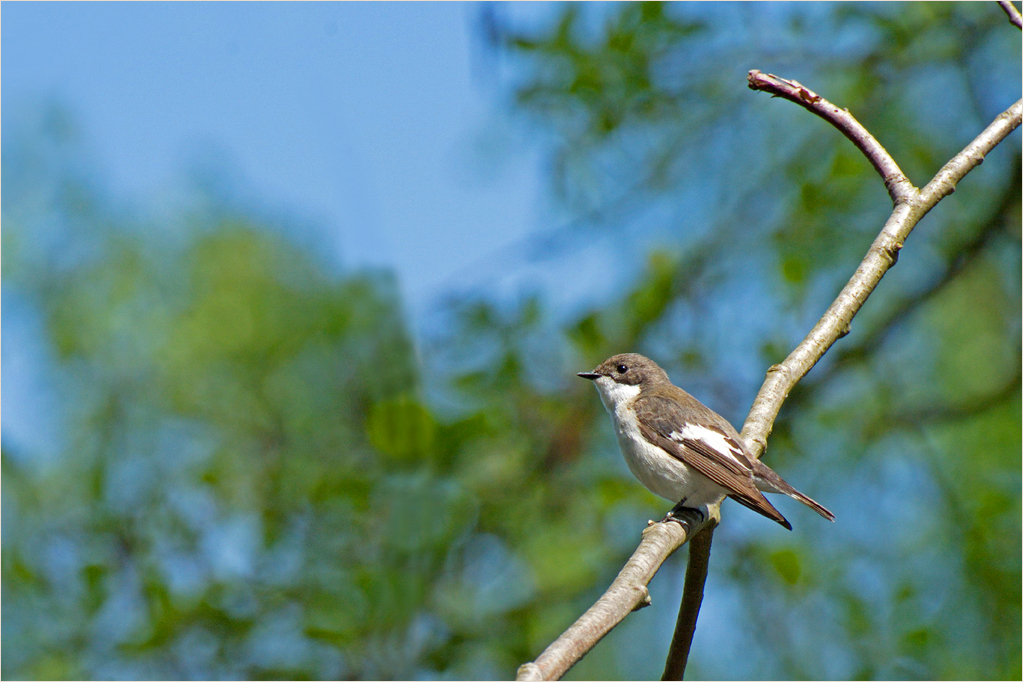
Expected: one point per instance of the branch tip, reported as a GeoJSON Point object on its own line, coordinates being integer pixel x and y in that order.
{"type": "Point", "coordinates": [1013, 13]}
{"type": "Point", "coordinates": [898, 186]}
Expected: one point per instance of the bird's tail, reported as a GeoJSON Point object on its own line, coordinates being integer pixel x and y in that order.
{"type": "Point", "coordinates": [811, 503]}
{"type": "Point", "coordinates": [768, 481]}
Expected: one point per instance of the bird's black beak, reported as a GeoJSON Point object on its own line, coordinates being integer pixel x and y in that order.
{"type": "Point", "coordinates": [589, 375]}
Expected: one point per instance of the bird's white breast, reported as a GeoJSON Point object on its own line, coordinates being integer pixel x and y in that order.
{"type": "Point", "coordinates": [661, 473]}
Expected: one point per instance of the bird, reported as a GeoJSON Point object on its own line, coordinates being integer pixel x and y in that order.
{"type": "Point", "coordinates": [679, 448]}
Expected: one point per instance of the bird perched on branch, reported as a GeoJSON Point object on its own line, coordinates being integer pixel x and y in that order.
{"type": "Point", "coordinates": [679, 448]}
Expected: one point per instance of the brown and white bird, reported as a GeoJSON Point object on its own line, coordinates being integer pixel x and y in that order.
{"type": "Point", "coordinates": [679, 448]}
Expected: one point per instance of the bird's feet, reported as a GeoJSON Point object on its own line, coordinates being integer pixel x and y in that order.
{"type": "Point", "coordinates": [687, 517]}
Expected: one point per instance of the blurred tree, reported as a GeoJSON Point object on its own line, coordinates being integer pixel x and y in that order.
{"type": "Point", "coordinates": [251, 483]}
{"type": "Point", "coordinates": [208, 517]}
{"type": "Point", "coordinates": [255, 481]}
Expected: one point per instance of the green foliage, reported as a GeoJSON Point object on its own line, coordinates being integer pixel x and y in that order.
{"type": "Point", "coordinates": [402, 429]}
{"type": "Point", "coordinates": [253, 480]}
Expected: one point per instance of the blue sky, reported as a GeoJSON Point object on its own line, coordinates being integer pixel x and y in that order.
{"type": "Point", "coordinates": [380, 123]}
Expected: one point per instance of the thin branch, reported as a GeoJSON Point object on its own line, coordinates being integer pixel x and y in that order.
{"type": "Point", "coordinates": [1014, 15]}
{"type": "Point", "coordinates": [627, 593]}
{"type": "Point", "coordinates": [944, 183]}
{"type": "Point", "coordinates": [692, 593]}
{"type": "Point", "coordinates": [882, 255]}
{"type": "Point", "coordinates": [966, 254]}
{"type": "Point", "coordinates": [910, 206]}
{"type": "Point", "coordinates": [900, 189]}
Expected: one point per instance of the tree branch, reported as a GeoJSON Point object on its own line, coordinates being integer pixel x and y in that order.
{"type": "Point", "coordinates": [628, 591]}
{"type": "Point", "coordinates": [944, 183]}
{"type": "Point", "coordinates": [692, 593]}
{"type": "Point", "coordinates": [881, 256]}
{"type": "Point", "coordinates": [1014, 15]}
{"type": "Point", "coordinates": [966, 254]}
{"type": "Point", "coordinates": [899, 186]}
{"type": "Point", "coordinates": [910, 206]}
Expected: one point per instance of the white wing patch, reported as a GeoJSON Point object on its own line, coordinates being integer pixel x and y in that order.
{"type": "Point", "coordinates": [715, 440]}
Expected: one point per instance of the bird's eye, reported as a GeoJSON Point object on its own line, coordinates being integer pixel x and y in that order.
{"type": "Point", "coordinates": [622, 369]}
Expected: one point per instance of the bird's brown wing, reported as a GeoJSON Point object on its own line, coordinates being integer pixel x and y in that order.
{"type": "Point", "coordinates": [663, 421]}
